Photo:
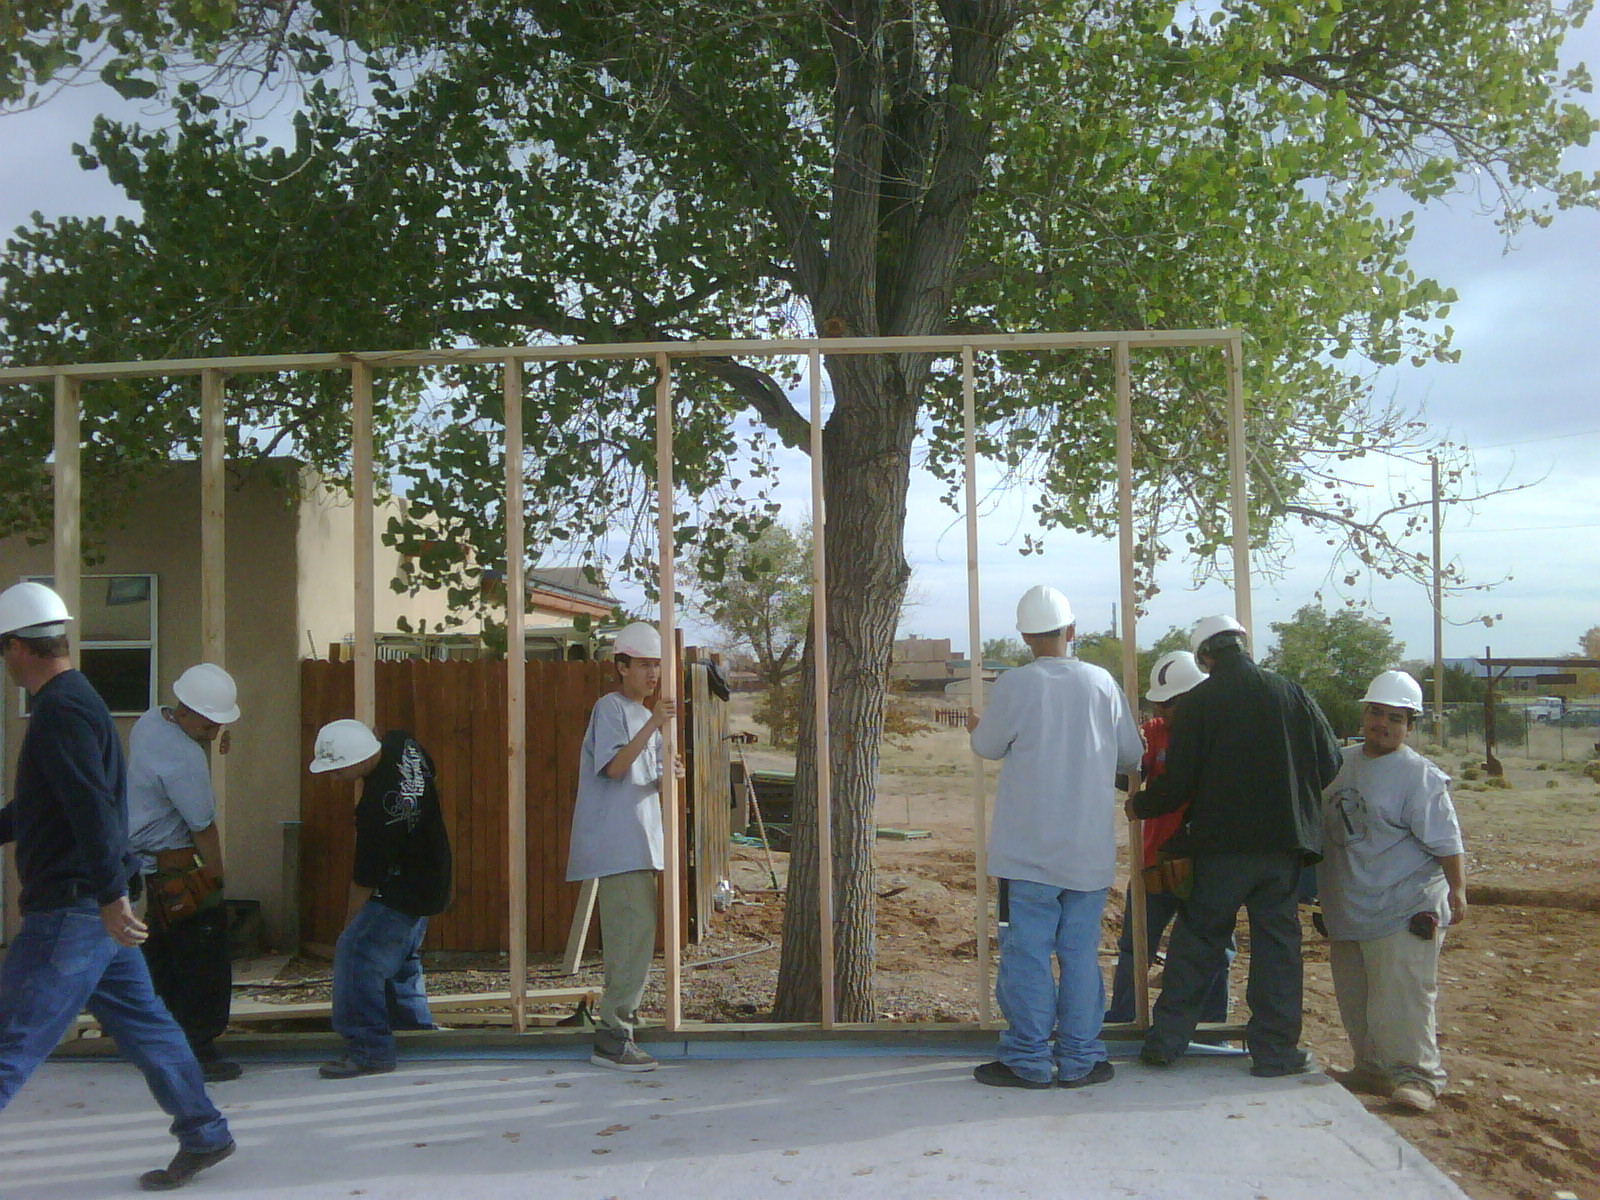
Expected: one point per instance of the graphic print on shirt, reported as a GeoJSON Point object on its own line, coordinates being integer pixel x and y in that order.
{"type": "Point", "coordinates": [405, 802]}
{"type": "Point", "coordinates": [1347, 820]}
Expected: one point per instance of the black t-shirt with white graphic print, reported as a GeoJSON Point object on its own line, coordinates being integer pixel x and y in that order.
{"type": "Point", "coordinates": [402, 849]}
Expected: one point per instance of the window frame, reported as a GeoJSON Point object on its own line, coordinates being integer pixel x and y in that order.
{"type": "Point", "coordinates": [152, 644]}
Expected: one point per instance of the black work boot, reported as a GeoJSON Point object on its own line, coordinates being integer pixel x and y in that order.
{"type": "Point", "coordinates": [185, 1165]}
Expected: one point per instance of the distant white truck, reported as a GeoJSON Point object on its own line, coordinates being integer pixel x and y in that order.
{"type": "Point", "coordinates": [1545, 708]}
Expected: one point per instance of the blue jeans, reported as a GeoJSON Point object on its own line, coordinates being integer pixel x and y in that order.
{"type": "Point", "coordinates": [377, 982]}
{"type": "Point", "coordinates": [63, 959]}
{"type": "Point", "coordinates": [1049, 921]}
{"type": "Point", "coordinates": [1159, 909]}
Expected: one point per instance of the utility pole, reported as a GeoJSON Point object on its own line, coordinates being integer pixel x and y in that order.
{"type": "Point", "coordinates": [1438, 610]}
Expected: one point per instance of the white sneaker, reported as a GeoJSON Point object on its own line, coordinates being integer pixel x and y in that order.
{"type": "Point", "coordinates": [1414, 1096]}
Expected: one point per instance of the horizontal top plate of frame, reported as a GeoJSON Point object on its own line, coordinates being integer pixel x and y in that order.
{"type": "Point", "coordinates": [944, 344]}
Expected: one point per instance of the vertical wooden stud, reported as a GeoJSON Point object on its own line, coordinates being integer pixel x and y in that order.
{"type": "Point", "coordinates": [362, 501]}
{"type": "Point", "coordinates": [213, 560]}
{"type": "Point", "coordinates": [1130, 676]}
{"type": "Point", "coordinates": [672, 952]}
{"type": "Point", "coordinates": [980, 806]}
{"type": "Point", "coordinates": [824, 750]}
{"type": "Point", "coordinates": [516, 702]}
{"type": "Point", "coordinates": [1239, 487]}
{"type": "Point", "coordinates": [1438, 602]}
{"type": "Point", "coordinates": [68, 567]}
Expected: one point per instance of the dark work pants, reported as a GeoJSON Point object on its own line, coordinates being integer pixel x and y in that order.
{"type": "Point", "coordinates": [193, 974]}
{"type": "Point", "coordinates": [1264, 885]}
{"type": "Point", "coordinates": [1159, 910]}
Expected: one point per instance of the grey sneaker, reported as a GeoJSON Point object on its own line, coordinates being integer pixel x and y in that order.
{"type": "Point", "coordinates": [1416, 1097]}
{"type": "Point", "coordinates": [623, 1056]}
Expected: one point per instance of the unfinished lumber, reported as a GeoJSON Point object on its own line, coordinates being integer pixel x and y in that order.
{"type": "Point", "coordinates": [578, 937]}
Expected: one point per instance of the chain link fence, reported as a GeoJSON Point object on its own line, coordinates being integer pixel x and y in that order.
{"type": "Point", "coordinates": [1573, 736]}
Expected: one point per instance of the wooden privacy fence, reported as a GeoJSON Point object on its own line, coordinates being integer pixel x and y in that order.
{"type": "Point", "coordinates": [457, 711]}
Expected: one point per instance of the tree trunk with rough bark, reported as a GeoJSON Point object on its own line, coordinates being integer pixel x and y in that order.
{"type": "Point", "coordinates": [866, 473]}
{"type": "Point", "coordinates": [910, 140]}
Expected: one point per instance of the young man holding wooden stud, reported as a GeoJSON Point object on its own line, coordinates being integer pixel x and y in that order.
{"type": "Point", "coordinates": [617, 838]}
{"type": "Point", "coordinates": [1064, 732]}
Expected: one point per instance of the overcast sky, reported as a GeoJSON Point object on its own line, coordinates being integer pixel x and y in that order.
{"type": "Point", "coordinates": [1525, 397]}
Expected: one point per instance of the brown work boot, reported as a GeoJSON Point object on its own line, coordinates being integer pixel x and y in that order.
{"type": "Point", "coordinates": [1363, 1081]}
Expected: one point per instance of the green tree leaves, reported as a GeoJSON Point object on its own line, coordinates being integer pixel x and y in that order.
{"type": "Point", "coordinates": [759, 593]}
{"type": "Point", "coordinates": [1334, 658]}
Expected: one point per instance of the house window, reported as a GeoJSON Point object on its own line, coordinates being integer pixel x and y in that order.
{"type": "Point", "coordinates": [115, 633]}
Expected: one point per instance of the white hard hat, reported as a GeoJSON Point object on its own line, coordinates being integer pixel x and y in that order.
{"type": "Point", "coordinates": [1042, 609]}
{"type": "Point", "coordinates": [1396, 689]}
{"type": "Point", "coordinates": [343, 744]}
{"type": "Point", "coordinates": [1209, 627]}
{"type": "Point", "coordinates": [210, 691]}
{"type": "Point", "coordinates": [1174, 674]}
{"type": "Point", "coordinates": [32, 610]}
{"type": "Point", "coordinates": [639, 640]}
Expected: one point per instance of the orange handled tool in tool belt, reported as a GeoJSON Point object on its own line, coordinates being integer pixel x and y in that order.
{"type": "Point", "coordinates": [182, 886]}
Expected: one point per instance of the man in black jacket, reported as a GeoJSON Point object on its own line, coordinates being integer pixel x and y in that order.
{"type": "Point", "coordinates": [1250, 753]}
{"type": "Point", "coordinates": [77, 944]}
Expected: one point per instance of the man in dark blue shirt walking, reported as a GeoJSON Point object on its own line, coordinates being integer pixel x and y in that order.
{"type": "Point", "coordinates": [79, 940]}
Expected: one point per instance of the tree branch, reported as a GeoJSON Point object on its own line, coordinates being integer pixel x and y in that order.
{"type": "Point", "coordinates": [762, 393]}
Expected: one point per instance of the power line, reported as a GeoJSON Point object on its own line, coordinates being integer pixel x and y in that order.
{"type": "Point", "coordinates": [1554, 437]}
{"type": "Point", "coordinates": [1527, 529]}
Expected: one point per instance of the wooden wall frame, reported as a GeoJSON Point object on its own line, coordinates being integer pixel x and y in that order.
{"type": "Point", "coordinates": [68, 380]}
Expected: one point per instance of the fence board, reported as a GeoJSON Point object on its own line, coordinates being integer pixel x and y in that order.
{"type": "Point", "coordinates": [456, 710]}
{"type": "Point", "coordinates": [550, 859]}
{"type": "Point", "coordinates": [706, 792]}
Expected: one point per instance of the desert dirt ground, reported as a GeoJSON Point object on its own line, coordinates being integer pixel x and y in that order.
{"type": "Point", "coordinates": [1519, 1003]}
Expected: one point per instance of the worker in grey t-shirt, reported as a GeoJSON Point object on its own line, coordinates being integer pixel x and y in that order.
{"type": "Point", "coordinates": [616, 836]}
{"type": "Point", "coordinates": [1392, 878]}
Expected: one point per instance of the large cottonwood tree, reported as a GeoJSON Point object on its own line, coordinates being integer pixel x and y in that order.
{"type": "Point", "coordinates": [620, 169]}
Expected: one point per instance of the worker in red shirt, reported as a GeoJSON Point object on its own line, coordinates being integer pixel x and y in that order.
{"type": "Point", "coordinates": [1172, 675]}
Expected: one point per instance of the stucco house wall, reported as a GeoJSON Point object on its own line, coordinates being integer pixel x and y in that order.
{"type": "Point", "coordinates": [289, 594]}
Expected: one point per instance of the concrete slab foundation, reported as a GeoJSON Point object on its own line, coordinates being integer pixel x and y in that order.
{"type": "Point", "coordinates": [723, 1121]}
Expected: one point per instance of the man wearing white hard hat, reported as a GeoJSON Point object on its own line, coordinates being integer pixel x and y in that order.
{"type": "Point", "coordinates": [77, 944]}
{"type": "Point", "coordinates": [1249, 754]}
{"type": "Point", "coordinates": [1392, 878]}
{"type": "Point", "coordinates": [172, 822]}
{"type": "Point", "coordinates": [1063, 732]}
{"type": "Point", "coordinates": [400, 878]}
{"type": "Point", "coordinates": [1171, 675]}
{"type": "Point", "coordinates": [616, 836]}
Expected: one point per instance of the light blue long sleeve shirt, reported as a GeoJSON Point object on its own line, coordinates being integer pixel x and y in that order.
{"type": "Point", "coordinates": [1063, 731]}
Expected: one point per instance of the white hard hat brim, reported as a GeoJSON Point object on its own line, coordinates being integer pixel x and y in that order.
{"type": "Point", "coordinates": [342, 744]}
{"type": "Point", "coordinates": [30, 609]}
{"type": "Point", "coordinates": [48, 629]}
{"type": "Point", "coordinates": [207, 689]}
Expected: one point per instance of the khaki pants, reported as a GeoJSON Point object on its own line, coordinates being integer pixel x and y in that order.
{"type": "Point", "coordinates": [627, 904]}
{"type": "Point", "coordinates": [1386, 990]}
